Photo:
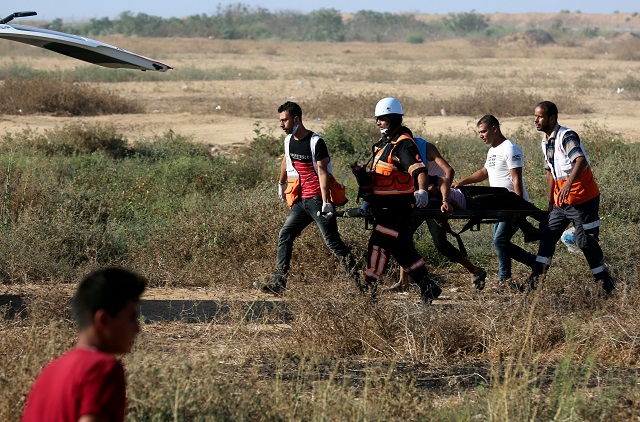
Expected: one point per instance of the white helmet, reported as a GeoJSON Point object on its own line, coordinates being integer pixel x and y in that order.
{"type": "Point", "coordinates": [388, 105]}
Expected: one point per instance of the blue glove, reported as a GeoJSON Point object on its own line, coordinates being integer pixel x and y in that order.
{"type": "Point", "coordinates": [422, 198]}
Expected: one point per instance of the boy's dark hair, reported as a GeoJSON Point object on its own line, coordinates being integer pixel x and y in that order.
{"type": "Point", "coordinates": [293, 109]}
{"type": "Point", "coordinates": [549, 108]}
{"type": "Point", "coordinates": [489, 120]}
{"type": "Point", "coordinates": [110, 289]}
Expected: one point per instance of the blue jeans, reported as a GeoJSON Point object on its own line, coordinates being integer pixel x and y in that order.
{"type": "Point", "coordinates": [303, 213]}
{"type": "Point", "coordinates": [506, 250]}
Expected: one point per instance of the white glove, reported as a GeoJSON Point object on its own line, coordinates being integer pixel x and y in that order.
{"type": "Point", "coordinates": [366, 208]}
{"type": "Point", "coordinates": [281, 188]}
{"type": "Point", "coordinates": [327, 210]}
{"type": "Point", "coordinates": [422, 198]}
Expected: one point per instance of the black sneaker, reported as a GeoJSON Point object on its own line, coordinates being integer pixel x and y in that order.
{"type": "Point", "coordinates": [430, 291]}
{"type": "Point", "coordinates": [274, 287]}
{"type": "Point", "coordinates": [516, 286]}
{"type": "Point", "coordinates": [607, 282]}
{"type": "Point", "coordinates": [532, 281]}
{"type": "Point", "coordinates": [537, 270]}
{"type": "Point", "coordinates": [480, 280]}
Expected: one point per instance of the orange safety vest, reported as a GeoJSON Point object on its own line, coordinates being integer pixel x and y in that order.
{"type": "Point", "coordinates": [388, 179]}
{"type": "Point", "coordinates": [584, 187]}
{"type": "Point", "coordinates": [337, 191]}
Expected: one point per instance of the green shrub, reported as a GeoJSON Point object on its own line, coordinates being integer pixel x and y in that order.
{"type": "Point", "coordinates": [464, 23]}
{"type": "Point", "coordinates": [351, 139]}
{"type": "Point", "coordinates": [18, 70]}
{"type": "Point", "coordinates": [415, 39]}
{"type": "Point", "coordinates": [265, 142]}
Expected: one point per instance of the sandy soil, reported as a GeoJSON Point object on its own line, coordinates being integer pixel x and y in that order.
{"type": "Point", "coordinates": [234, 131]}
{"type": "Point", "coordinates": [223, 112]}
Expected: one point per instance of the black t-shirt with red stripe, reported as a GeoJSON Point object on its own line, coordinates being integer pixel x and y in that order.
{"type": "Point", "coordinates": [302, 160]}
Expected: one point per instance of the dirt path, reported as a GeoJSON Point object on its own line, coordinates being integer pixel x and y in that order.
{"type": "Point", "coordinates": [235, 131]}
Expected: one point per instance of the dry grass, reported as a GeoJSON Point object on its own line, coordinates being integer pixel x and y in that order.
{"type": "Point", "coordinates": [500, 355]}
{"type": "Point", "coordinates": [43, 94]}
{"type": "Point", "coordinates": [322, 352]}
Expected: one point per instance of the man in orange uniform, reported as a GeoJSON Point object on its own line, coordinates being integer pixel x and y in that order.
{"type": "Point", "coordinates": [396, 171]}
{"type": "Point", "coordinates": [573, 197]}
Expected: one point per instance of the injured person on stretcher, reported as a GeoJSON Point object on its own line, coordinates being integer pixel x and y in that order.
{"type": "Point", "coordinates": [485, 204]}
{"type": "Point", "coordinates": [478, 204]}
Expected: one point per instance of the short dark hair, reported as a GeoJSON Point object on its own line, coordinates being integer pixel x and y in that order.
{"type": "Point", "coordinates": [110, 289]}
{"type": "Point", "coordinates": [293, 109]}
{"type": "Point", "coordinates": [549, 108]}
{"type": "Point", "coordinates": [489, 120]}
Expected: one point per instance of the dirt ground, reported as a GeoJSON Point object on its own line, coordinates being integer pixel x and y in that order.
{"type": "Point", "coordinates": [223, 112]}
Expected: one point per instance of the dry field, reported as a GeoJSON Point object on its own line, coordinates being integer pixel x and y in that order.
{"type": "Point", "coordinates": [222, 113]}
{"type": "Point", "coordinates": [591, 71]}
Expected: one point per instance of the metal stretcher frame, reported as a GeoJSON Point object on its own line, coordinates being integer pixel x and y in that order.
{"type": "Point", "coordinates": [476, 216]}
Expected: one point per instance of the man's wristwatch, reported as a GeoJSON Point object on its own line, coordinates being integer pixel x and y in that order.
{"type": "Point", "coordinates": [447, 200]}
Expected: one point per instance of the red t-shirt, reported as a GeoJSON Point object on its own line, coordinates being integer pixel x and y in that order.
{"type": "Point", "coordinates": [80, 382]}
{"type": "Point", "coordinates": [302, 160]}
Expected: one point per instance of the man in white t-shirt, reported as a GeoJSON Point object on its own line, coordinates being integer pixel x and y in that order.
{"type": "Point", "coordinates": [503, 168]}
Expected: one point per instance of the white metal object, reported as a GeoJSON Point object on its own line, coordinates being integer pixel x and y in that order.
{"type": "Point", "coordinates": [80, 48]}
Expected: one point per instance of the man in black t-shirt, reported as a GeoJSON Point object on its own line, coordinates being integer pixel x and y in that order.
{"type": "Point", "coordinates": [304, 183]}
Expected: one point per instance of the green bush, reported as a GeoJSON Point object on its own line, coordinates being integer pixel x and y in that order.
{"type": "Point", "coordinates": [265, 142]}
{"type": "Point", "coordinates": [464, 23]}
{"type": "Point", "coordinates": [415, 39]}
{"type": "Point", "coordinates": [351, 139]}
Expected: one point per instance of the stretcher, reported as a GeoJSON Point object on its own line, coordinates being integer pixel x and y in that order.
{"type": "Point", "coordinates": [485, 205]}
{"type": "Point", "coordinates": [475, 217]}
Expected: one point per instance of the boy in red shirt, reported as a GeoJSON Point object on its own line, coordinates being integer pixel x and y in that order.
{"type": "Point", "coordinates": [87, 383]}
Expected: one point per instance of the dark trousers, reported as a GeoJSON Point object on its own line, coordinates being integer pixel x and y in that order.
{"type": "Point", "coordinates": [586, 221]}
{"type": "Point", "coordinates": [392, 236]}
{"type": "Point", "coordinates": [303, 213]}
{"type": "Point", "coordinates": [438, 230]}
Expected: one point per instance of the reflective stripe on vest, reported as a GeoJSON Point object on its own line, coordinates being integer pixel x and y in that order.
{"type": "Point", "coordinates": [387, 178]}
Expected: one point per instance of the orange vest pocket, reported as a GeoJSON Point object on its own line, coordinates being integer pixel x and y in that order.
{"type": "Point", "coordinates": [337, 192]}
{"type": "Point", "coordinates": [292, 192]}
